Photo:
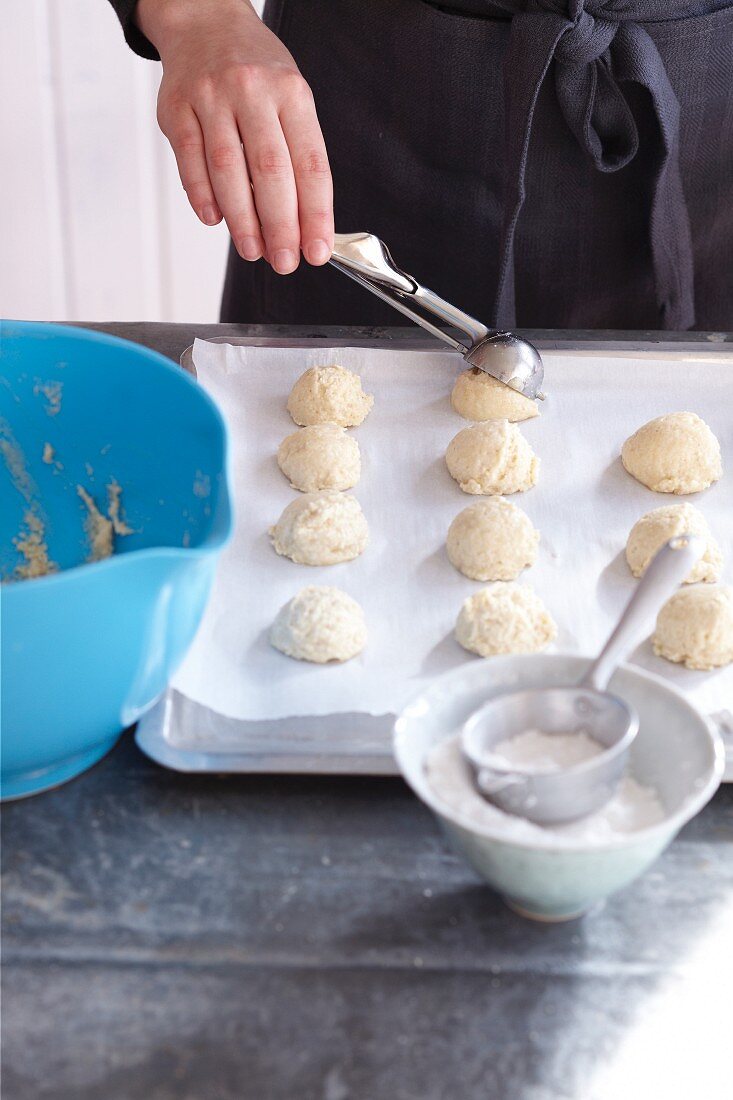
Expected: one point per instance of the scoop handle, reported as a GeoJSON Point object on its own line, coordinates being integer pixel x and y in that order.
{"type": "Point", "coordinates": [367, 259]}
{"type": "Point", "coordinates": [667, 569]}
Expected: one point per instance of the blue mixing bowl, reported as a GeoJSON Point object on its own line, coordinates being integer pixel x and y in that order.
{"type": "Point", "coordinates": [87, 649]}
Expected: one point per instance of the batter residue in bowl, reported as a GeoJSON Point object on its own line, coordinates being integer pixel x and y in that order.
{"type": "Point", "coordinates": [52, 391]}
{"type": "Point", "coordinates": [15, 461]}
{"type": "Point", "coordinates": [49, 457]}
{"type": "Point", "coordinates": [31, 544]}
{"type": "Point", "coordinates": [101, 529]}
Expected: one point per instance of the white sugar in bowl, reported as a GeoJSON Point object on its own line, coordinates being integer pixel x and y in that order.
{"type": "Point", "coordinates": [677, 751]}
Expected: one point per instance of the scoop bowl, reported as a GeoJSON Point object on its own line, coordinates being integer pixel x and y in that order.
{"type": "Point", "coordinates": [510, 360]}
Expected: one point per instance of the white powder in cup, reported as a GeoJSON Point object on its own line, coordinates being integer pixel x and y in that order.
{"type": "Point", "coordinates": [535, 751]}
{"type": "Point", "coordinates": [631, 808]}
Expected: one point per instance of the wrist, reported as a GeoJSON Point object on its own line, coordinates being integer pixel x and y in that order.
{"type": "Point", "coordinates": [161, 20]}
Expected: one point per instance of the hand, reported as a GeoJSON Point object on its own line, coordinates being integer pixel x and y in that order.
{"type": "Point", "coordinates": [243, 126]}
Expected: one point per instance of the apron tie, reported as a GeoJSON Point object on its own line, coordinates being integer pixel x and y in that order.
{"type": "Point", "coordinates": [594, 55]}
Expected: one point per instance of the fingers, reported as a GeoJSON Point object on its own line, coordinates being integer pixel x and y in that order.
{"type": "Point", "coordinates": [230, 180]}
{"type": "Point", "coordinates": [256, 156]}
{"type": "Point", "coordinates": [273, 182]}
{"type": "Point", "coordinates": [312, 178]}
{"type": "Point", "coordinates": [183, 131]}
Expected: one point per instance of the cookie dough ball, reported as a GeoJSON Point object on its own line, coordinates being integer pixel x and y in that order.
{"type": "Point", "coordinates": [492, 540]}
{"type": "Point", "coordinates": [676, 453]}
{"type": "Point", "coordinates": [491, 459]}
{"type": "Point", "coordinates": [478, 396]}
{"type": "Point", "coordinates": [321, 529]}
{"type": "Point", "coordinates": [320, 624]}
{"type": "Point", "coordinates": [504, 618]}
{"type": "Point", "coordinates": [695, 627]}
{"type": "Point", "coordinates": [329, 394]}
{"type": "Point", "coordinates": [322, 456]}
{"type": "Point", "coordinates": [662, 524]}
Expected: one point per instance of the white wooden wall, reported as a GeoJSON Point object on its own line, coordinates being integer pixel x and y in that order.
{"type": "Point", "coordinates": [94, 224]}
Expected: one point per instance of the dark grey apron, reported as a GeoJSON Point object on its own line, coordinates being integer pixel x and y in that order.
{"type": "Point", "coordinates": [540, 163]}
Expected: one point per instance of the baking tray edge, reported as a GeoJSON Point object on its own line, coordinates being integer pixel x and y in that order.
{"type": "Point", "coordinates": [347, 744]}
{"type": "Point", "coordinates": [153, 730]}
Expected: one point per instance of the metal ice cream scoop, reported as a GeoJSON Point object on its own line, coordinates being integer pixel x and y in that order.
{"type": "Point", "coordinates": [551, 797]}
{"type": "Point", "coordinates": [504, 356]}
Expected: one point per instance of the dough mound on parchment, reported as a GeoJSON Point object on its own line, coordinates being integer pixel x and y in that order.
{"type": "Point", "coordinates": [695, 627]}
{"type": "Point", "coordinates": [321, 456]}
{"type": "Point", "coordinates": [676, 453]}
{"type": "Point", "coordinates": [492, 459]}
{"type": "Point", "coordinates": [492, 540]}
{"type": "Point", "coordinates": [478, 396]}
{"type": "Point", "coordinates": [660, 525]}
{"type": "Point", "coordinates": [320, 624]}
{"type": "Point", "coordinates": [321, 529]}
{"type": "Point", "coordinates": [329, 395]}
{"type": "Point", "coordinates": [504, 618]}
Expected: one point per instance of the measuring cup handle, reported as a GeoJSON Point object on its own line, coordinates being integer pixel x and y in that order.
{"type": "Point", "coordinates": [667, 569]}
{"type": "Point", "coordinates": [490, 783]}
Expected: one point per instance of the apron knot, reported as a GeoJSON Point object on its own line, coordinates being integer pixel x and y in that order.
{"type": "Point", "coordinates": [594, 56]}
{"type": "Point", "coordinates": [586, 39]}
{"type": "Point", "coordinates": [590, 98]}
{"type": "Point", "coordinates": [587, 36]}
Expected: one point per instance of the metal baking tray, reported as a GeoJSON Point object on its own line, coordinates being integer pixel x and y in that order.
{"type": "Point", "coordinates": [188, 737]}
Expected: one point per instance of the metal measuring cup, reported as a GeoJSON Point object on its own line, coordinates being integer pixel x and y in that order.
{"type": "Point", "coordinates": [506, 357]}
{"type": "Point", "coordinates": [551, 797]}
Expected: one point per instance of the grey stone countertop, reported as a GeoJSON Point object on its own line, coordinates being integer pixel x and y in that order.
{"type": "Point", "coordinates": [183, 937]}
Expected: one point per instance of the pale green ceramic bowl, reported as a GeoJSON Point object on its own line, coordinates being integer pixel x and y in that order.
{"type": "Point", "coordinates": [677, 750]}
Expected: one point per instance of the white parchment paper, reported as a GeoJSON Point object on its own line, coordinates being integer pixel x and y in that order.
{"type": "Point", "coordinates": [584, 506]}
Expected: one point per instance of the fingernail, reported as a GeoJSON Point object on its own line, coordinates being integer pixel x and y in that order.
{"type": "Point", "coordinates": [317, 252]}
{"type": "Point", "coordinates": [285, 261]}
{"type": "Point", "coordinates": [210, 215]}
{"type": "Point", "coordinates": [249, 247]}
